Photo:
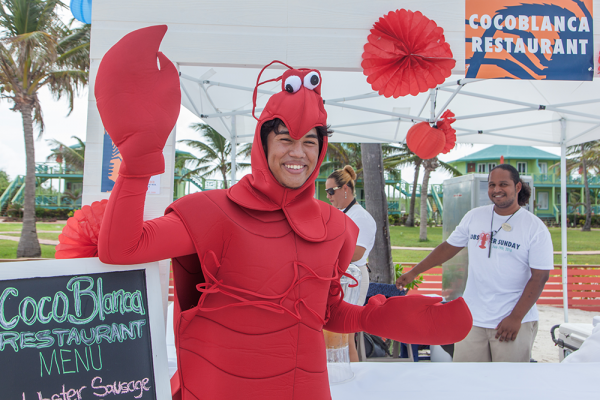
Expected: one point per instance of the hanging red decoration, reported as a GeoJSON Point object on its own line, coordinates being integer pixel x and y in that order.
{"type": "Point", "coordinates": [449, 133]}
{"type": "Point", "coordinates": [79, 237]}
{"type": "Point", "coordinates": [428, 141]}
{"type": "Point", "coordinates": [425, 141]}
{"type": "Point", "coordinates": [406, 53]}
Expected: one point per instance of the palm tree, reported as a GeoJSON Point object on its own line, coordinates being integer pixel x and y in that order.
{"type": "Point", "coordinates": [214, 154]}
{"type": "Point", "coordinates": [4, 181]}
{"type": "Point", "coordinates": [73, 156]}
{"type": "Point", "coordinates": [37, 50]}
{"type": "Point", "coordinates": [404, 158]}
{"type": "Point", "coordinates": [341, 154]}
{"type": "Point", "coordinates": [584, 157]}
{"type": "Point", "coordinates": [430, 166]}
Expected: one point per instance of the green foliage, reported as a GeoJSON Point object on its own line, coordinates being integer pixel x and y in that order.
{"type": "Point", "coordinates": [214, 157]}
{"type": "Point", "coordinates": [341, 154]}
{"type": "Point", "coordinates": [15, 211]}
{"type": "Point", "coordinates": [394, 219]}
{"type": "Point", "coordinates": [399, 270]}
{"type": "Point", "coordinates": [72, 156]}
{"type": "Point", "coordinates": [4, 181]}
{"type": "Point", "coordinates": [60, 213]}
{"type": "Point", "coordinates": [38, 50]}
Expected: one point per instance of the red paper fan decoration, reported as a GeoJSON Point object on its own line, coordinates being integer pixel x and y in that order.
{"type": "Point", "coordinates": [449, 132]}
{"type": "Point", "coordinates": [428, 141]}
{"type": "Point", "coordinates": [406, 53]}
{"type": "Point", "coordinates": [425, 140]}
{"type": "Point", "coordinates": [79, 237]}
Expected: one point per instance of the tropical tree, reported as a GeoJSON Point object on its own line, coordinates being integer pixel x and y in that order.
{"type": "Point", "coordinates": [341, 154]}
{"type": "Point", "coordinates": [430, 166]}
{"type": "Point", "coordinates": [584, 158]}
{"type": "Point", "coordinates": [38, 50]}
{"type": "Point", "coordinates": [404, 158]}
{"type": "Point", "coordinates": [4, 181]}
{"type": "Point", "coordinates": [215, 153]}
{"type": "Point", "coordinates": [372, 161]}
{"type": "Point", "coordinates": [72, 156]}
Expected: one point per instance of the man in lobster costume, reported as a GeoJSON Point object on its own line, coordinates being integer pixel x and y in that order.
{"type": "Point", "coordinates": [256, 266]}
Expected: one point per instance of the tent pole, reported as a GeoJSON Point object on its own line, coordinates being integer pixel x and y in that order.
{"type": "Point", "coordinates": [563, 213]}
{"type": "Point", "coordinates": [233, 150]}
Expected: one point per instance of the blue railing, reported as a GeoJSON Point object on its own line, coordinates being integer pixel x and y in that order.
{"type": "Point", "coordinates": [555, 179]}
{"type": "Point", "coordinates": [55, 169]}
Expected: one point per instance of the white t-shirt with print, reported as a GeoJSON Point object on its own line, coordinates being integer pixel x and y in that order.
{"type": "Point", "coordinates": [495, 284]}
{"type": "Point", "coordinates": [367, 228]}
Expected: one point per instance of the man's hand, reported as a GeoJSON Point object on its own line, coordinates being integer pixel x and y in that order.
{"type": "Point", "coordinates": [508, 329]}
{"type": "Point", "coordinates": [405, 279]}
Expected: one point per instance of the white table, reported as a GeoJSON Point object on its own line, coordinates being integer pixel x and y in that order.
{"type": "Point", "coordinates": [471, 381]}
{"type": "Point", "coordinates": [460, 381]}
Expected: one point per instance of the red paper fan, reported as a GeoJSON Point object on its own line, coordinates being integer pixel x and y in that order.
{"type": "Point", "coordinates": [425, 141]}
{"type": "Point", "coordinates": [446, 127]}
{"type": "Point", "coordinates": [79, 237]}
{"type": "Point", "coordinates": [406, 54]}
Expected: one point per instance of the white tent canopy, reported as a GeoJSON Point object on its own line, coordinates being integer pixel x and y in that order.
{"type": "Point", "coordinates": [220, 46]}
{"type": "Point", "coordinates": [358, 114]}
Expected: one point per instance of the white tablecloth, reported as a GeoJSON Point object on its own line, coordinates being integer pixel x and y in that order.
{"type": "Point", "coordinates": [470, 381]}
{"type": "Point", "coordinates": [460, 381]}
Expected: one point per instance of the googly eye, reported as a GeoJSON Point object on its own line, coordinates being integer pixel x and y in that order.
{"type": "Point", "coordinates": [292, 84]}
{"type": "Point", "coordinates": [311, 80]}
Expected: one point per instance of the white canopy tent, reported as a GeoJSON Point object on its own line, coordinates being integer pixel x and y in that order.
{"type": "Point", "coordinates": [220, 46]}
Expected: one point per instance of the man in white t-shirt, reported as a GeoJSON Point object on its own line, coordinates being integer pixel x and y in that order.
{"type": "Point", "coordinates": [510, 258]}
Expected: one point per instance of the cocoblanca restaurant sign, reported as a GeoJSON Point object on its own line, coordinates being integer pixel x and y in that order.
{"type": "Point", "coordinates": [79, 329]}
{"type": "Point", "coordinates": [525, 39]}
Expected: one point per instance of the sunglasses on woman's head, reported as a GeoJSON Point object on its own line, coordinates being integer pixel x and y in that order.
{"type": "Point", "coordinates": [331, 191]}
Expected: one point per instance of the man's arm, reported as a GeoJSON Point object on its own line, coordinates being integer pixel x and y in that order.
{"type": "Point", "coordinates": [509, 327]}
{"type": "Point", "coordinates": [359, 251]}
{"type": "Point", "coordinates": [439, 255]}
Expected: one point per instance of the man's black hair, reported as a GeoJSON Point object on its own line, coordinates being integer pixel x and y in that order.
{"type": "Point", "coordinates": [525, 192]}
{"type": "Point", "coordinates": [275, 125]}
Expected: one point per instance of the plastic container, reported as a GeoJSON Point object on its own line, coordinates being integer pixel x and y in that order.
{"type": "Point", "coordinates": [573, 336]}
{"type": "Point", "coordinates": [338, 356]}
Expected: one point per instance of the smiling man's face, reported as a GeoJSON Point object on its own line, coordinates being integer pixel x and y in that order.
{"type": "Point", "coordinates": [292, 161]}
{"type": "Point", "coordinates": [502, 189]}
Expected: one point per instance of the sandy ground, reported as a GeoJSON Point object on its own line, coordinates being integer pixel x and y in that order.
{"type": "Point", "coordinates": [544, 349]}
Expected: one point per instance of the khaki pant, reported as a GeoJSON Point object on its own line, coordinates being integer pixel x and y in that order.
{"type": "Point", "coordinates": [481, 345]}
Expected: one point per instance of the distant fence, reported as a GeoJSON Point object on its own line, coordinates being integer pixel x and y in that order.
{"type": "Point", "coordinates": [583, 286]}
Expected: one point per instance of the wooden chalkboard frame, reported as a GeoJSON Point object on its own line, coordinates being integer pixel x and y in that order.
{"type": "Point", "coordinates": [81, 266]}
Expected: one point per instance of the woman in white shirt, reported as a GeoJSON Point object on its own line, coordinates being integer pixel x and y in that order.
{"type": "Point", "coordinates": [340, 192]}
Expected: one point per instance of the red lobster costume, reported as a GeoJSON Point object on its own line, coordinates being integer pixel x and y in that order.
{"type": "Point", "coordinates": [257, 266]}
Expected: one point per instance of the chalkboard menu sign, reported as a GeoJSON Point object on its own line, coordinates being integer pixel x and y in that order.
{"type": "Point", "coordinates": [78, 336]}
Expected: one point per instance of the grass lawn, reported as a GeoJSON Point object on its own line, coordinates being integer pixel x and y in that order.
{"type": "Point", "coordinates": [400, 236]}
{"type": "Point", "coordinates": [8, 250]}
{"type": "Point", "coordinates": [409, 237]}
{"type": "Point", "coordinates": [41, 226]}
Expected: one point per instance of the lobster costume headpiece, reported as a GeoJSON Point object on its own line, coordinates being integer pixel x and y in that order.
{"type": "Point", "coordinates": [300, 106]}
